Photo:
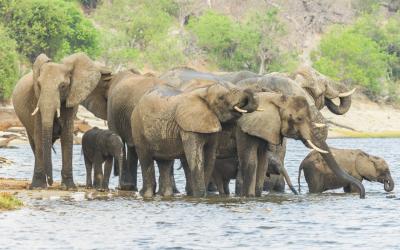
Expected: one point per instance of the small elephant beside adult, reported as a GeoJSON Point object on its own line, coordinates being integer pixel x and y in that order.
{"type": "Point", "coordinates": [357, 163]}
{"type": "Point", "coordinates": [99, 146]}
{"type": "Point", "coordinates": [46, 101]}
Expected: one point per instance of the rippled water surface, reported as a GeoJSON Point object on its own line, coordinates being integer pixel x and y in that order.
{"type": "Point", "coordinates": [280, 221]}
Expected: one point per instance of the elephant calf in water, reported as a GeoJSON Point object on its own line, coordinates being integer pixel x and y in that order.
{"type": "Point", "coordinates": [357, 163]}
{"type": "Point", "coordinates": [101, 146]}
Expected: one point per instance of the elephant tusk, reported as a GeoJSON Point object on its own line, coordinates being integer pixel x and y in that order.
{"type": "Point", "coordinates": [58, 112]}
{"type": "Point", "coordinates": [316, 148]}
{"type": "Point", "coordinates": [239, 109]}
{"type": "Point", "coordinates": [259, 109]}
{"type": "Point", "coordinates": [345, 94]}
{"type": "Point", "coordinates": [319, 125]}
{"type": "Point", "coordinates": [35, 111]}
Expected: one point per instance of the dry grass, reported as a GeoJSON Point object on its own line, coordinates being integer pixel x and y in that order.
{"type": "Point", "coordinates": [9, 202]}
{"type": "Point", "coordinates": [358, 134]}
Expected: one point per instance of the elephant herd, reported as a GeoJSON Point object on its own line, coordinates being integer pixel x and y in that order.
{"type": "Point", "coordinates": [220, 126]}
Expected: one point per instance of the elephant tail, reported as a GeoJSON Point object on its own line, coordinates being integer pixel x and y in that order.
{"type": "Point", "coordinates": [298, 178]}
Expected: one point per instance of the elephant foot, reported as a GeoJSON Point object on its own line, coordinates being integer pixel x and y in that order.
{"type": "Point", "coordinates": [199, 194]}
{"type": "Point", "coordinates": [128, 187]}
{"type": "Point", "coordinates": [38, 181]}
{"type": "Point", "coordinates": [68, 184]}
{"type": "Point", "coordinates": [212, 187]}
{"type": "Point", "coordinates": [89, 186]}
{"type": "Point", "coordinates": [175, 190]}
{"type": "Point", "coordinates": [148, 193]}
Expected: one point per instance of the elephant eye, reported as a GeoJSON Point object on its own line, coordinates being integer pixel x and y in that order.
{"type": "Point", "coordinates": [221, 97]}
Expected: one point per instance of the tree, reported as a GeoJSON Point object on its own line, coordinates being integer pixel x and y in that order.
{"type": "Point", "coordinates": [54, 27]}
{"type": "Point", "coordinates": [9, 71]}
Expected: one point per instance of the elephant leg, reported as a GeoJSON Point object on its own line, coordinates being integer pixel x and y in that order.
{"type": "Point", "coordinates": [226, 187]}
{"type": "Point", "coordinates": [98, 176]}
{"type": "Point", "coordinates": [239, 182]}
{"type": "Point", "coordinates": [89, 168]}
{"type": "Point", "coordinates": [220, 185]}
{"type": "Point", "coordinates": [39, 176]}
{"type": "Point", "coordinates": [247, 152]}
{"type": "Point", "coordinates": [188, 186]}
{"type": "Point", "coordinates": [129, 171]}
{"type": "Point", "coordinates": [165, 183]}
{"type": "Point", "coordinates": [174, 188]}
{"type": "Point", "coordinates": [210, 150]}
{"type": "Point", "coordinates": [193, 145]}
{"type": "Point", "coordinates": [148, 174]}
{"type": "Point", "coordinates": [67, 140]}
{"type": "Point", "coordinates": [107, 172]}
{"type": "Point", "coordinates": [262, 167]}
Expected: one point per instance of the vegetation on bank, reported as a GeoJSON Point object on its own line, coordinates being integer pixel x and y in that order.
{"type": "Point", "coordinates": [9, 202]}
{"type": "Point", "coordinates": [161, 34]}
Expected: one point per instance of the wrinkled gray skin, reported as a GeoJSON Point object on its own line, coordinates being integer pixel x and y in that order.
{"type": "Point", "coordinates": [169, 124]}
{"type": "Point", "coordinates": [99, 146]}
{"type": "Point", "coordinates": [279, 83]}
{"type": "Point", "coordinates": [357, 163]}
{"type": "Point", "coordinates": [46, 101]}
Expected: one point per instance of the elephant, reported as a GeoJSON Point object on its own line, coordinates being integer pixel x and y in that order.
{"type": "Point", "coordinates": [357, 163]}
{"type": "Point", "coordinates": [46, 101]}
{"type": "Point", "coordinates": [170, 123]}
{"type": "Point", "coordinates": [99, 146]}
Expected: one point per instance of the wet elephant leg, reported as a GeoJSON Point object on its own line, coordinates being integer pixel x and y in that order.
{"type": "Point", "coordinates": [148, 174]}
{"type": "Point", "coordinates": [165, 181]}
{"type": "Point", "coordinates": [247, 152]}
{"type": "Point", "coordinates": [98, 175]}
{"type": "Point", "coordinates": [188, 186]}
{"type": "Point", "coordinates": [129, 170]}
{"type": "Point", "coordinates": [226, 187]}
{"type": "Point", "coordinates": [174, 188]}
{"type": "Point", "coordinates": [262, 167]}
{"type": "Point", "coordinates": [89, 167]}
{"type": "Point", "coordinates": [209, 157]}
{"type": "Point", "coordinates": [107, 172]}
{"type": "Point", "coordinates": [39, 175]}
{"type": "Point", "coordinates": [67, 140]}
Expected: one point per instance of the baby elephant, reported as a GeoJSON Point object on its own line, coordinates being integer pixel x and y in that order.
{"type": "Point", "coordinates": [101, 146]}
{"type": "Point", "coordinates": [357, 163]}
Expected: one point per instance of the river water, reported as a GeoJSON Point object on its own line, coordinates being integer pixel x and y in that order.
{"type": "Point", "coordinates": [277, 221]}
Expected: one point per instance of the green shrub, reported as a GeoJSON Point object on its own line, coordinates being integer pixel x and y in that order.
{"type": "Point", "coordinates": [353, 58]}
{"type": "Point", "coordinates": [54, 27]}
{"type": "Point", "coordinates": [9, 71]}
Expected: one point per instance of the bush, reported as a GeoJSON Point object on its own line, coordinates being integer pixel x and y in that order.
{"type": "Point", "coordinates": [8, 64]}
{"type": "Point", "coordinates": [54, 27]}
{"type": "Point", "coordinates": [353, 58]}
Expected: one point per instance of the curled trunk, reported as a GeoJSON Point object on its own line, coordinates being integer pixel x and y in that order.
{"type": "Point", "coordinates": [342, 108]}
{"type": "Point", "coordinates": [388, 183]}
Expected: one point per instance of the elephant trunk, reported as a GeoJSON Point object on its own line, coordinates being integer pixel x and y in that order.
{"type": "Point", "coordinates": [251, 103]}
{"type": "Point", "coordinates": [344, 96]}
{"type": "Point", "coordinates": [339, 172]}
{"type": "Point", "coordinates": [342, 108]}
{"type": "Point", "coordinates": [388, 183]}
{"type": "Point", "coordinates": [47, 136]}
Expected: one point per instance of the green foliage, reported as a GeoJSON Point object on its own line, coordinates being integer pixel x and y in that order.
{"type": "Point", "coordinates": [9, 202]}
{"type": "Point", "coordinates": [140, 33]}
{"type": "Point", "coordinates": [55, 27]}
{"type": "Point", "coordinates": [237, 45]}
{"type": "Point", "coordinates": [353, 58]}
{"type": "Point", "coordinates": [8, 64]}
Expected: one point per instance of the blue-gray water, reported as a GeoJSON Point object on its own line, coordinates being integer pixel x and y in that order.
{"type": "Point", "coordinates": [331, 220]}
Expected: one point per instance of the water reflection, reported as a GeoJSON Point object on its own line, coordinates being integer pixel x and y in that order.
{"type": "Point", "coordinates": [99, 220]}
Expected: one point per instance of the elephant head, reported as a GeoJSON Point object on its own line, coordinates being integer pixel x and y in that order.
{"type": "Point", "coordinates": [290, 116]}
{"type": "Point", "coordinates": [372, 168]}
{"type": "Point", "coordinates": [213, 103]}
{"type": "Point", "coordinates": [59, 87]}
{"type": "Point", "coordinates": [323, 90]}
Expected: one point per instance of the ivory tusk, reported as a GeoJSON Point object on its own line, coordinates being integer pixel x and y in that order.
{"type": "Point", "coordinates": [345, 94]}
{"type": "Point", "coordinates": [35, 111]}
{"type": "Point", "coordinates": [316, 148]}
{"type": "Point", "coordinates": [319, 125]}
{"type": "Point", "coordinates": [58, 113]}
{"type": "Point", "coordinates": [259, 109]}
{"type": "Point", "coordinates": [239, 109]}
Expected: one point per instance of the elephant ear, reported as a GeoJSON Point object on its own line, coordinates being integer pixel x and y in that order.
{"type": "Point", "coordinates": [265, 124]}
{"type": "Point", "coordinates": [84, 78]}
{"type": "Point", "coordinates": [39, 62]}
{"type": "Point", "coordinates": [194, 115]}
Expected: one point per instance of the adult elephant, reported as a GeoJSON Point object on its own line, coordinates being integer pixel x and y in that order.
{"type": "Point", "coordinates": [126, 89]}
{"type": "Point", "coordinates": [46, 101]}
{"type": "Point", "coordinates": [170, 123]}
